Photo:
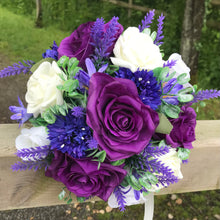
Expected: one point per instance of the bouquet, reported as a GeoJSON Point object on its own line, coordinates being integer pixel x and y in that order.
{"type": "Point", "coordinates": [110, 118]}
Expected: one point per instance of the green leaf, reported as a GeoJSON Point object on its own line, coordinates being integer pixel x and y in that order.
{"type": "Point", "coordinates": [202, 104]}
{"type": "Point", "coordinates": [101, 155]}
{"type": "Point", "coordinates": [134, 182]}
{"type": "Point", "coordinates": [164, 126]}
{"type": "Point", "coordinates": [62, 110]}
{"type": "Point", "coordinates": [151, 178]}
{"type": "Point", "coordinates": [163, 73]}
{"type": "Point", "coordinates": [168, 78]}
{"type": "Point", "coordinates": [118, 162]}
{"type": "Point", "coordinates": [125, 183]}
{"type": "Point", "coordinates": [70, 85]}
{"type": "Point", "coordinates": [36, 122]}
{"type": "Point", "coordinates": [157, 71]}
{"type": "Point", "coordinates": [171, 111]}
{"type": "Point", "coordinates": [153, 35]}
{"type": "Point", "coordinates": [147, 31]}
{"type": "Point", "coordinates": [145, 193]}
{"type": "Point", "coordinates": [183, 153]}
{"type": "Point", "coordinates": [49, 116]}
{"type": "Point", "coordinates": [63, 62]}
{"type": "Point", "coordinates": [36, 65]}
{"type": "Point", "coordinates": [80, 199]}
{"type": "Point", "coordinates": [186, 90]}
{"type": "Point", "coordinates": [69, 201]}
{"type": "Point", "coordinates": [145, 183]}
{"type": "Point", "coordinates": [162, 143]}
{"type": "Point", "coordinates": [62, 195]}
{"type": "Point", "coordinates": [73, 63]}
{"type": "Point", "coordinates": [182, 79]}
{"type": "Point", "coordinates": [60, 87]}
{"type": "Point", "coordinates": [185, 97]}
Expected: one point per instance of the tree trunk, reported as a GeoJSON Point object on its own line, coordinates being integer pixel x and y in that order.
{"type": "Point", "coordinates": [39, 20]}
{"type": "Point", "coordinates": [191, 32]}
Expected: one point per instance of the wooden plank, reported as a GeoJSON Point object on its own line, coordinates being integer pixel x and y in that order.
{"type": "Point", "coordinates": [32, 189]}
{"type": "Point", "coordinates": [215, 2]}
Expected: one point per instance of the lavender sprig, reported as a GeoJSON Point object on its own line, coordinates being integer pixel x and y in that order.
{"type": "Point", "coordinates": [147, 20]}
{"type": "Point", "coordinates": [159, 36]}
{"type": "Point", "coordinates": [17, 68]}
{"type": "Point", "coordinates": [170, 63]}
{"type": "Point", "coordinates": [37, 153]}
{"type": "Point", "coordinates": [205, 94]}
{"type": "Point", "coordinates": [103, 39]}
{"type": "Point", "coordinates": [119, 194]}
{"type": "Point", "coordinates": [35, 165]}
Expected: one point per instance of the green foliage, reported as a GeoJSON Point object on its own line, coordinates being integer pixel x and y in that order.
{"type": "Point", "coordinates": [36, 122]}
{"type": "Point", "coordinates": [183, 153]}
{"type": "Point", "coordinates": [164, 126]}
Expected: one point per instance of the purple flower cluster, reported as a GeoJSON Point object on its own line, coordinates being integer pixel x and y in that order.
{"type": "Point", "coordinates": [17, 68]}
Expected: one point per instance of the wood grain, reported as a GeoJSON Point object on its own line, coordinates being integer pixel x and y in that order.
{"type": "Point", "coordinates": [33, 189]}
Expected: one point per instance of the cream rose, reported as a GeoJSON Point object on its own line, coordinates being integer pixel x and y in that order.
{"type": "Point", "coordinates": [42, 89]}
{"type": "Point", "coordinates": [134, 50]}
{"type": "Point", "coordinates": [31, 138]}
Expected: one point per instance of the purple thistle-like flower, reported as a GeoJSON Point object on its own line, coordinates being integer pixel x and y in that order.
{"type": "Point", "coordinates": [148, 88]}
{"type": "Point", "coordinates": [70, 134]}
{"type": "Point", "coordinates": [170, 63]}
{"type": "Point", "coordinates": [17, 68]}
{"type": "Point", "coordinates": [28, 165]}
{"type": "Point", "coordinates": [205, 94]}
{"type": "Point", "coordinates": [159, 36]}
{"type": "Point", "coordinates": [21, 114]}
{"type": "Point", "coordinates": [78, 112]}
{"type": "Point", "coordinates": [103, 40]}
{"type": "Point", "coordinates": [36, 153]}
{"type": "Point", "coordinates": [51, 53]}
{"type": "Point", "coordinates": [147, 20]}
{"type": "Point", "coordinates": [120, 196]}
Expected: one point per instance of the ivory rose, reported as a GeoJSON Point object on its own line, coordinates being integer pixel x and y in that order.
{"type": "Point", "coordinates": [134, 50]}
{"type": "Point", "coordinates": [42, 89]}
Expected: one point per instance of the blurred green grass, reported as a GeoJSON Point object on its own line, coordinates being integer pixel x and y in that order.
{"type": "Point", "coordinates": [19, 40]}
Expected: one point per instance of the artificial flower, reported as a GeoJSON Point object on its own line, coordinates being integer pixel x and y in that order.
{"type": "Point", "coordinates": [82, 176]}
{"type": "Point", "coordinates": [121, 123]}
{"type": "Point", "coordinates": [136, 50]}
{"type": "Point", "coordinates": [42, 89]}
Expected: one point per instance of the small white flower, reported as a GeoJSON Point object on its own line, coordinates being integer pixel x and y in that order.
{"type": "Point", "coordinates": [31, 138]}
{"type": "Point", "coordinates": [42, 89]}
{"type": "Point", "coordinates": [180, 67]}
{"type": "Point", "coordinates": [134, 50]}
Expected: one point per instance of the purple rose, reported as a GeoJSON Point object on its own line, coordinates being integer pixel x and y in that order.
{"type": "Point", "coordinates": [121, 123]}
{"type": "Point", "coordinates": [183, 132]}
{"type": "Point", "coordinates": [78, 44]}
{"type": "Point", "coordinates": [82, 176]}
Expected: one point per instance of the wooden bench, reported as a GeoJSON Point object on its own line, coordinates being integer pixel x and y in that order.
{"type": "Point", "coordinates": [26, 189]}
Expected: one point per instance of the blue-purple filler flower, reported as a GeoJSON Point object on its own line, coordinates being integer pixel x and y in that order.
{"type": "Point", "coordinates": [20, 113]}
{"type": "Point", "coordinates": [17, 68]}
{"type": "Point", "coordinates": [51, 53]}
{"type": "Point", "coordinates": [147, 85]}
{"type": "Point", "coordinates": [70, 134]}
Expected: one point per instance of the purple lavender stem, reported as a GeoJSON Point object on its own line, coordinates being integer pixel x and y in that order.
{"type": "Point", "coordinates": [37, 153]}
{"type": "Point", "coordinates": [35, 165]}
{"type": "Point", "coordinates": [147, 20]}
{"type": "Point", "coordinates": [205, 94]}
{"type": "Point", "coordinates": [159, 36]}
{"type": "Point", "coordinates": [170, 63]}
{"type": "Point", "coordinates": [17, 68]}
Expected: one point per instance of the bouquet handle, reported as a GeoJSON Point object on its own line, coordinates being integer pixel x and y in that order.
{"type": "Point", "coordinates": [149, 207]}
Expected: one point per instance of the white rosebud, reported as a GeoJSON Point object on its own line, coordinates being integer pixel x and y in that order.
{"type": "Point", "coordinates": [31, 138]}
{"type": "Point", "coordinates": [42, 89]}
{"type": "Point", "coordinates": [134, 50]}
{"type": "Point", "coordinates": [180, 67]}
